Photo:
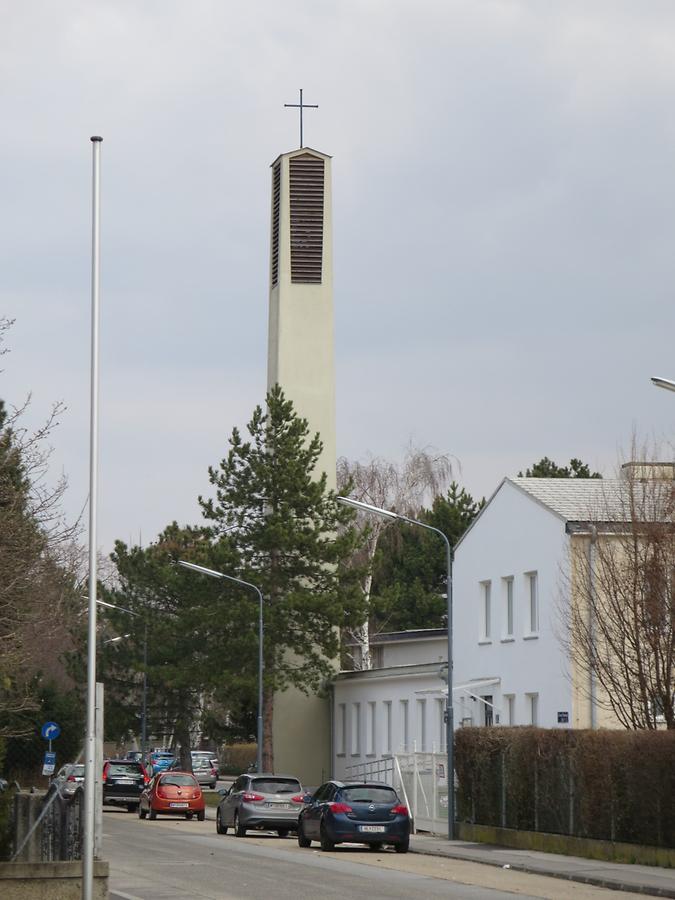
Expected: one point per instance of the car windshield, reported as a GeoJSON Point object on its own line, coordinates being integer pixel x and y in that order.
{"type": "Point", "coordinates": [201, 764]}
{"type": "Point", "coordinates": [76, 770]}
{"type": "Point", "coordinates": [125, 768]}
{"type": "Point", "coordinates": [366, 794]}
{"type": "Point", "coordinates": [179, 780]}
{"type": "Point", "coordinates": [276, 785]}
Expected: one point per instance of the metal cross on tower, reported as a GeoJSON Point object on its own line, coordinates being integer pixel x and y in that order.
{"type": "Point", "coordinates": [302, 106]}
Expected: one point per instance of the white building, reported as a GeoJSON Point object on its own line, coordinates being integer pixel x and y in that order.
{"type": "Point", "coordinates": [395, 707]}
{"type": "Point", "coordinates": [511, 589]}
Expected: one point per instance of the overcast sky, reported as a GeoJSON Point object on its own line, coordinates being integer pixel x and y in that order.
{"type": "Point", "coordinates": [504, 227]}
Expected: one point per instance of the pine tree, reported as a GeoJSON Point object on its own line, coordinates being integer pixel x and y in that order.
{"type": "Point", "coordinates": [546, 468]}
{"type": "Point", "coordinates": [293, 541]}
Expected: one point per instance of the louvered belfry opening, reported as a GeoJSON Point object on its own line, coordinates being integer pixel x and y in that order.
{"type": "Point", "coordinates": [306, 196]}
{"type": "Point", "coordinates": [276, 201]}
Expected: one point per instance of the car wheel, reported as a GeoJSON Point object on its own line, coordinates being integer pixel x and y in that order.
{"type": "Point", "coordinates": [402, 848]}
{"type": "Point", "coordinates": [220, 828]}
{"type": "Point", "coordinates": [376, 846]}
{"type": "Point", "coordinates": [239, 829]}
{"type": "Point", "coordinates": [152, 813]}
{"type": "Point", "coordinates": [132, 807]}
{"type": "Point", "coordinates": [302, 840]}
{"type": "Point", "coordinates": [201, 815]}
{"type": "Point", "coordinates": [326, 843]}
{"type": "Point", "coordinates": [142, 813]}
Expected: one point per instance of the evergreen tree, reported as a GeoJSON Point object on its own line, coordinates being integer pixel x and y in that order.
{"type": "Point", "coordinates": [409, 582]}
{"type": "Point", "coordinates": [293, 541]}
{"type": "Point", "coordinates": [546, 468]}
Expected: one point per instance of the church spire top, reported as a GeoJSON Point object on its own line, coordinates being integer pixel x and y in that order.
{"type": "Point", "coordinates": [302, 106]}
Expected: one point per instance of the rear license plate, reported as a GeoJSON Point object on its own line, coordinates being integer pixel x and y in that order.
{"type": "Point", "coordinates": [373, 829]}
{"type": "Point", "coordinates": [124, 781]}
{"type": "Point", "coordinates": [278, 805]}
{"type": "Point", "coordinates": [178, 805]}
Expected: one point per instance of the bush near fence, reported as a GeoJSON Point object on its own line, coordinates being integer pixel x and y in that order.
{"type": "Point", "coordinates": [236, 758]}
{"type": "Point", "coordinates": [607, 785]}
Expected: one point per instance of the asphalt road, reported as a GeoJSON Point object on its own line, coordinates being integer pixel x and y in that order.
{"type": "Point", "coordinates": [172, 859]}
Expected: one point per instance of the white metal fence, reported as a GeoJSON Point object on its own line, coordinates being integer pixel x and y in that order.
{"type": "Point", "coordinates": [420, 779]}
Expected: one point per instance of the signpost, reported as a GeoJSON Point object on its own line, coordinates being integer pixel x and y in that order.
{"type": "Point", "coordinates": [49, 731]}
{"type": "Point", "coordinates": [49, 763]}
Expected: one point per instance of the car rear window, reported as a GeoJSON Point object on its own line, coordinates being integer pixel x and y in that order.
{"type": "Point", "coordinates": [276, 785]}
{"type": "Point", "coordinates": [179, 780]}
{"type": "Point", "coordinates": [125, 768]}
{"type": "Point", "coordinates": [365, 794]}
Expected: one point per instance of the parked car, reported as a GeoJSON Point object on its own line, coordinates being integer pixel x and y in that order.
{"type": "Point", "coordinates": [123, 783]}
{"type": "Point", "coordinates": [356, 812]}
{"type": "Point", "coordinates": [206, 754]}
{"type": "Point", "coordinates": [263, 802]}
{"type": "Point", "coordinates": [172, 793]}
{"type": "Point", "coordinates": [69, 778]}
{"type": "Point", "coordinates": [204, 772]}
{"type": "Point", "coordinates": [160, 760]}
{"type": "Point", "coordinates": [134, 755]}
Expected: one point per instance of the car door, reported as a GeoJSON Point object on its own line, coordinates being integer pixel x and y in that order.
{"type": "Point", "coordinates": [312, 815]}
{"type": "Point", "coordinates": [233, 798]}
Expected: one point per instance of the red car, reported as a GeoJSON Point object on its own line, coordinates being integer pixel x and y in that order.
{"type": "Point", "coordinates": [172, 793]}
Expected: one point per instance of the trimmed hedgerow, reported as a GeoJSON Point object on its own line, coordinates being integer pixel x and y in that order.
{"type": "Point", "coordinates": [610, 785]}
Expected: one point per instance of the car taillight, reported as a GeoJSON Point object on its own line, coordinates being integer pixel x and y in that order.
{"type": "Point", "coordinates": [340, 808]}
{"type": "Point", "coordinates": [399, 810]}
{"type": "Point", "coordinates": [213, 771]}
{"type": "Point", "coordinates": [252, 798]}
{"type": "Point", "coordinates": [71, 778]}
{"type": "Point", "coordinates": [146, 780]}
{"type": "Point", "coordinates": [298, 798]}
{"type": "Point", "coordinates": [161, 792]}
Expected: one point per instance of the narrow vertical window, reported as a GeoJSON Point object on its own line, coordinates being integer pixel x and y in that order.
{"type": "Point", "coordinates": [533, 602]}
{"type": "Point", "coordinates": [356, 729]}
{"type": "Point", "coordinates": [387, 726]}
{"type": "Point", "coordinates": [421, 725]}
{"type": "Point", "coordinates": [486, 611]}
{"type": "Point", "coordinates": [440, 718]}
{"type": "Point", "coordinates": [370, 725]}
{"type": "Point", "coordinates": [405, 735]}
{"type": "Point", "coordinates": [341, 729]}
{"type": "Point", "coordinates": [508, 607]}
{"type": "Point", "coordinates": [533, 700]}
{"type": "Point", "coordinates": [509, 710]}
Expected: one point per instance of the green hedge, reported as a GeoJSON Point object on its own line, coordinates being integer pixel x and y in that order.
{"type": "Point", "coordinates": [609, 785]}
{"type": "Point", "coordinates": [236, 758]}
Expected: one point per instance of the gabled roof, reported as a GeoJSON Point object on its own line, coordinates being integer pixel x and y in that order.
{"type": "Point", "coordinates": [299, 150]}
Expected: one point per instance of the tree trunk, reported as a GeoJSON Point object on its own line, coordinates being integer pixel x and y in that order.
{"type": "Point", "coordinates": [268, 741]}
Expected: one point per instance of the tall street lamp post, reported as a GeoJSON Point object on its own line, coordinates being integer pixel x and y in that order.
{"type": "Point", "coordinates": [144, 707]}
{"type": "Point", "coordinates": [664, 383]}
{"type": "Point", "coordinates": [449, 711]}
{"type": "Point", "coordinates": [261, 634]}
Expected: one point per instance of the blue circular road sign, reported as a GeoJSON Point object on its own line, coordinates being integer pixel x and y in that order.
{"type": "Point", "coordinates": [50, 731]}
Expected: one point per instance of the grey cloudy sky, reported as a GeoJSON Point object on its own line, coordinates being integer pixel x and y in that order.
{"type": "Point", "coordinates": [504, 227]}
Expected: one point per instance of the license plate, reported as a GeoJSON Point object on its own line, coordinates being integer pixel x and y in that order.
{"type": "Point", "coordinates": [178, 805]}
{"type": "Point", "coordinates": [278, 805]}
{"type": "Point", "coordinates": [373, 829]}
{"type": "Point", "coordinates": [124, 781]}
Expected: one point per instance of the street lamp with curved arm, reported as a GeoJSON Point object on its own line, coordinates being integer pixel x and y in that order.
{"type": "Point", "coordinates": [449, 723]}
{"type": "Point", "coordinates": [213, 574]}
{"type": "Point", "coordinates": [664, 383]}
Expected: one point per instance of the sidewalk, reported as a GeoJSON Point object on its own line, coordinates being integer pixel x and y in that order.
{"type": "Point", "coordinates": [651, 880]}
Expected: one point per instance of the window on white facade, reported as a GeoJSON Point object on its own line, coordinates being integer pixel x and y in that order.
{"type": "Point", "coordinates": [341, 729]}
{"type": "Point", "coordinates": [370, 726]}
{"type": "Point", "coordinates": [377, 656]}
{"type": "Point", "coordinates": [356, 729]}
{"type": "Point", "coordinates": [533, 701]}
{"type": "Point", "coordinates": [387, 727]}
{"type": "Point", "coordinates": [508, 606]}
{"type": "Point", "coordinates": [486, 611]}
{"type": "Point", "coordinates": [532, 602]}
{"type": "Point", "coordinates": [509, 710]}
{"type": "Point", "coordinates": [421, 725]}
{"type": "Point", "coordinates": [405, 733]}
{"type": "Point", "coordinates": [440, 718]}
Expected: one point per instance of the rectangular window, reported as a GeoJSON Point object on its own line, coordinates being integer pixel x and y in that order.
{"type": "Point", "coordinates": [356, 729]}
{"type": "Point", "coordinates": [532, 602]}
{"type": "Point", "coordinates": [508, 607]}
{"type": "Point", "coordinates": [341, 729]}
{"type": "Point", "coordinates": [377, 656]}
{"type": "Point", "coordinates": [488, 710]}
{"type": "Point", "coordinates": [533, 701]}
{"type": "Point", "coordinates": [509, 709]}
{"type": "Point", "coordinates": [486, 610]}
{"type": "Point", "coordinates": [387, 726]}
{"type": "Point", "coordinates": [440, 718]}
{"type": "Point", "coordinates": [421, 725]}
{"type": "Point", "coordinates": [405, 734]}
{"type": "Point", "coordinates": [370, 726]}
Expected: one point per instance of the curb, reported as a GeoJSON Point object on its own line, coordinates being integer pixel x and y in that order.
{"type": "Point", "coordinates": [609, 883]}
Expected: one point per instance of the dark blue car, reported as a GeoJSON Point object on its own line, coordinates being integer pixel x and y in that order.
{"type": "Point", "coordinates": [358, 812]}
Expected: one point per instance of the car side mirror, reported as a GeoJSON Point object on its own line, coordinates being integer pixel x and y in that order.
{"type": "Point", "coordinates": [307, 798]}
{"type": "Point", "coordinates": [223, 791]}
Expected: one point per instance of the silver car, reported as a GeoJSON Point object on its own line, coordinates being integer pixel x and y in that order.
{"type": "Point", "coordinates": [204, 771]}
{"type": "Point", "coordinates": [260, 802]}
{"type": "Point", "coordinates": [69, 778]}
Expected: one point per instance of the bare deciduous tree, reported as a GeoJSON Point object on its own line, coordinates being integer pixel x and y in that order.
{"type": "Point", "coordinates": [620, 629]}
{"type": "Point", "coordinates": [402, 488]}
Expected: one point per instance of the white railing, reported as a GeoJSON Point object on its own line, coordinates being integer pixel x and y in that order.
{"type": "Point", "coordinates": [421, 780]}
